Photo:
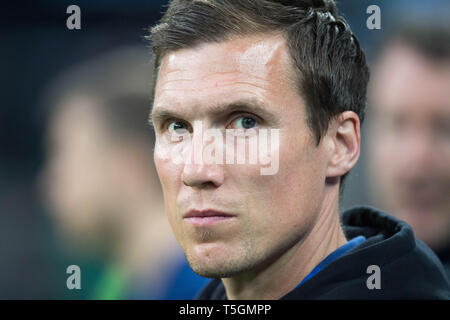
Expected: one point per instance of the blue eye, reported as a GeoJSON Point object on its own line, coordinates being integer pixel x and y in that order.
{"type": "Point", "coordinates": [177, 127]}
{"type": "Point", "coordinates": [245, 122]}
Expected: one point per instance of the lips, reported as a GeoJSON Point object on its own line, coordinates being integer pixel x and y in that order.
{"type": "Point", "coordinates": [207, 216]}
{"type": "Point", "coordinates": [206, 213]}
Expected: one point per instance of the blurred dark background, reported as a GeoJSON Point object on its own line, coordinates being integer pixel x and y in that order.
{"type": "Point", "coordinates": [35, 46]}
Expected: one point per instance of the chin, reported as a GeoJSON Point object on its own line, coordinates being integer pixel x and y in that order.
{"type": "Point", "coordinates": [209, 266]}
{"type": "Point", "coordinates": [214, 272]}
{"type": "Point", "coordinates": [223, 266]}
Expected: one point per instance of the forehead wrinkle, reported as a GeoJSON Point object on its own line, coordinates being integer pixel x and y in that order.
{"type": "Point", "coordinates": [259, 86]}
{"type": "Point", "coordinates": [168, 79]}
{"type": "Point", "coordinates": [233, 75]}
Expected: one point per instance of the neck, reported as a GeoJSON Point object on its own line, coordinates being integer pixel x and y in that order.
{"type": "Point", "coordinates": [282, 276]}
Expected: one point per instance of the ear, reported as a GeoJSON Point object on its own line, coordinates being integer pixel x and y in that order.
{"type": "Point", "coordinates": [345, 138]}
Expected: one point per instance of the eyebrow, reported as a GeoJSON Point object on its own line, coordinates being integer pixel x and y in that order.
{"type": "Point", "coordinates": [248, 105]}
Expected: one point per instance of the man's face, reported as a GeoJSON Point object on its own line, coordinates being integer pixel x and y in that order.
{"type": "Point", "coordinates": [76, 172]}
{"type": "Point", "coordinates": [270, 213]}
{"type": "Point", "coordinates": [410, 141]}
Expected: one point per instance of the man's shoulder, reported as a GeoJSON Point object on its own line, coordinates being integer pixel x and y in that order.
{"type": "Point", "coordinates": [390, 264]}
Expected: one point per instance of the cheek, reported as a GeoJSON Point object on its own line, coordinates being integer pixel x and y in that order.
{"type": "Point", "coordinates": [285, 199]}
{"type": "Point", "coordinates": [169, 176]}
{"type": "Point", "coordinates": [302, 181]}
{"type": "Point", "coordinates": [164, 166]}
{"type": "Point", "coordinates": [304, 170]}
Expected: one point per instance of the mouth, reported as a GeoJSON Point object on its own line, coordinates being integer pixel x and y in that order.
{"type": "Point", "coordinates": [207, 217]}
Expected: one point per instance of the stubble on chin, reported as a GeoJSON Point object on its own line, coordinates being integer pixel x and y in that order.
{"type": "Point", "coordinates": [223, 265]}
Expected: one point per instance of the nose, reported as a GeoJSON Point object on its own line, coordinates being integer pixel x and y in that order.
{"type": "Point", "coordinates": [200, 172]}
{"type": "Point", "coordinates": [203, 175]}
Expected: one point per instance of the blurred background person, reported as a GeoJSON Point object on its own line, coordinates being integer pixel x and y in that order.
{"type": "Point", "coordinates": [99, 180]}
{"type": "Point", "coordinates": [409, 132]}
